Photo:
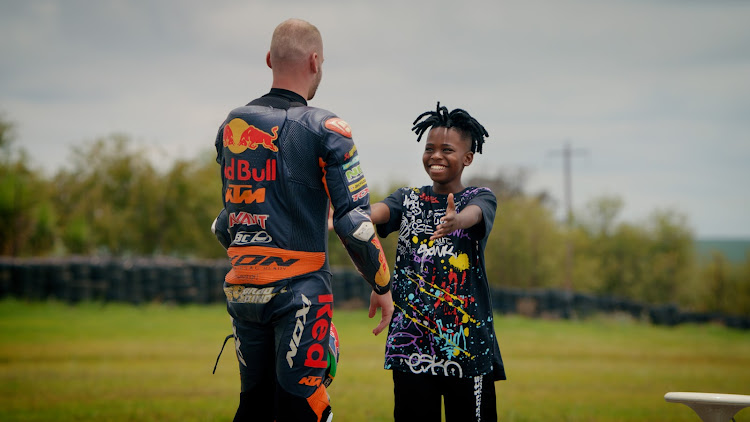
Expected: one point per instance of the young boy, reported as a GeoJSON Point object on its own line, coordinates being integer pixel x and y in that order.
{"type": "Point", "coordinates": [441, 340]}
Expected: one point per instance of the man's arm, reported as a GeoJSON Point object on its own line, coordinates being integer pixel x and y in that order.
{"type": "Point", "coordinates": [220, 228]}
{"type": "Point", "coordinates": [349, 194]}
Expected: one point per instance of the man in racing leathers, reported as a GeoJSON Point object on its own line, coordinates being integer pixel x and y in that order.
{"type": "Point", "coordinates": [281, 163]}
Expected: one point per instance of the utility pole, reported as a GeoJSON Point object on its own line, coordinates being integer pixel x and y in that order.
{"type": "Point", "coordinates": [567, 153]}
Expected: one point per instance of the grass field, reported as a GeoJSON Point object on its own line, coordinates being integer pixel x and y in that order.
{"type": "Point", "coordinates": [94, 362]}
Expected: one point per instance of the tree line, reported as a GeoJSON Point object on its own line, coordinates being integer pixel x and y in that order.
{"type": "Point", "coordinates": [111, 200]}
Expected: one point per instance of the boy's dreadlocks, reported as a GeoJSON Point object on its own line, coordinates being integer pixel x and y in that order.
{"type": "Point", "coordinates": [458, 118]}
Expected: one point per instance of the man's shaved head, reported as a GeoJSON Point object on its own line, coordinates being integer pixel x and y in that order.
{"type": "Point", "coordinates": [293, 40]}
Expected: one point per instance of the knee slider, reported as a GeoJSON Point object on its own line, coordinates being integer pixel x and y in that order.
{"type": "Point", "coordinates": [316, 407]}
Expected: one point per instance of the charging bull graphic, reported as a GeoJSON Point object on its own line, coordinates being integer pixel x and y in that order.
{"type": "Point", "coordinates": [249, 137]}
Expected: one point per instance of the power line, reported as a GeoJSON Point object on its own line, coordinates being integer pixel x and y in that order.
{"type": "Point", "coordinates": [567, 153]}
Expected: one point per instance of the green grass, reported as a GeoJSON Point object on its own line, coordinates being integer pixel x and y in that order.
{"type": "Point", "coordinates": [94, 362]}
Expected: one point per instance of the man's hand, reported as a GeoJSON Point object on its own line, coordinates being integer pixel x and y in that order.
{"type": "Point", "coordinates": [385, 303]}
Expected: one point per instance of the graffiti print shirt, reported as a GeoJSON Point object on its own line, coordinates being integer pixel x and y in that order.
{"type": "Point", "coordinates": [443, 322]}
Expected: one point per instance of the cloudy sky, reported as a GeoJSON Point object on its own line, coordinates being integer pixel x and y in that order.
{"type": "Point", "coordinates": [652, 95]}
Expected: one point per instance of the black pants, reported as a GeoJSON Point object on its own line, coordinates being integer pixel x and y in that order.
{"type": "Point", "coordinates": [417, 398]}
{"type": "Point", "coordinates": [281, 341]}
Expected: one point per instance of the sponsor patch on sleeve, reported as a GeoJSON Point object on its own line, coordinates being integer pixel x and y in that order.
{"type": "Point", "coordinates": [339, 126]}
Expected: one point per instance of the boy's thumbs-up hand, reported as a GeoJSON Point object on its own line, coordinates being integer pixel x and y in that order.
{"type": "Point", "coordinates": [449, 222]}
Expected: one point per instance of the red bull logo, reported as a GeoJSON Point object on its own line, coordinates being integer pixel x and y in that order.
{"type": "Point", "coordinates": [237, 169]}
{"type": "Point", "coordinates": [316, 356]}
{"type": "Point", "coordinates": [250, 137]}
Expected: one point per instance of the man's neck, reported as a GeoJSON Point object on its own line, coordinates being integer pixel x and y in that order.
{"type": "Point", "coordinates": [289, 95]}
{"type": "Point", "coordinates": [290, 84]}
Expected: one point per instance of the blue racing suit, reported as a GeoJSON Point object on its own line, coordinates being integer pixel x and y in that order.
{"type": "Point", "coordinates": [283, 164]}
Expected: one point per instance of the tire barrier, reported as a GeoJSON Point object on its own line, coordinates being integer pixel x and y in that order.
{"type": "Point", "coordinates": [136, 280]}
{"type": "Point", "coordinates": [176, 281]}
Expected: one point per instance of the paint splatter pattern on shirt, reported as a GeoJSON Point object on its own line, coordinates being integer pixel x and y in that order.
{"type": "Point", "coordinates": [443, 319]}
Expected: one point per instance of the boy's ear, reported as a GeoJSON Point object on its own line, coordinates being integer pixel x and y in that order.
{"type": "Point", "coordinates": [468, 158]}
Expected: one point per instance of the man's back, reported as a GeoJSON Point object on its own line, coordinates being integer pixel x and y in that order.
{"type": "Point", "coordinates": [278, 168]}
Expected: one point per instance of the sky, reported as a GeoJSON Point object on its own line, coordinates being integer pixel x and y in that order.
{"type": "Point", "coordinates": [653, 96]}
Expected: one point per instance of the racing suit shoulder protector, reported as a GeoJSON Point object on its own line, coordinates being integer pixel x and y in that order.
{"type": "Point", "coordinates": [357, 233]}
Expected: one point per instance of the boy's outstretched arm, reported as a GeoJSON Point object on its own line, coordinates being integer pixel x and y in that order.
{"type": "Point", "coordinates": [453, 221]}
{"type": "Point", "coordinates": [379, 213]}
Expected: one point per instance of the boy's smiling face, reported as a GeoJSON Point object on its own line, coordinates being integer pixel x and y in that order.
{"type": "Point", "coordinates": [446, 153]}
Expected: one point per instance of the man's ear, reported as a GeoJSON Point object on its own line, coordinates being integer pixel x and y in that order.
{"type": "Point", "coordinates": [313, 59]}
{"type": "Point", "coordinates": [268, 60]}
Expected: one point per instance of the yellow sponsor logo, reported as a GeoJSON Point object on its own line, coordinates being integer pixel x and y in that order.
{"type": "Point", "coordinates": [358, 185]}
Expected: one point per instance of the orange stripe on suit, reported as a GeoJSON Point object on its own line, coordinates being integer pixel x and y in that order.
{"type": "Point", "coordinates": [264, 265]}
